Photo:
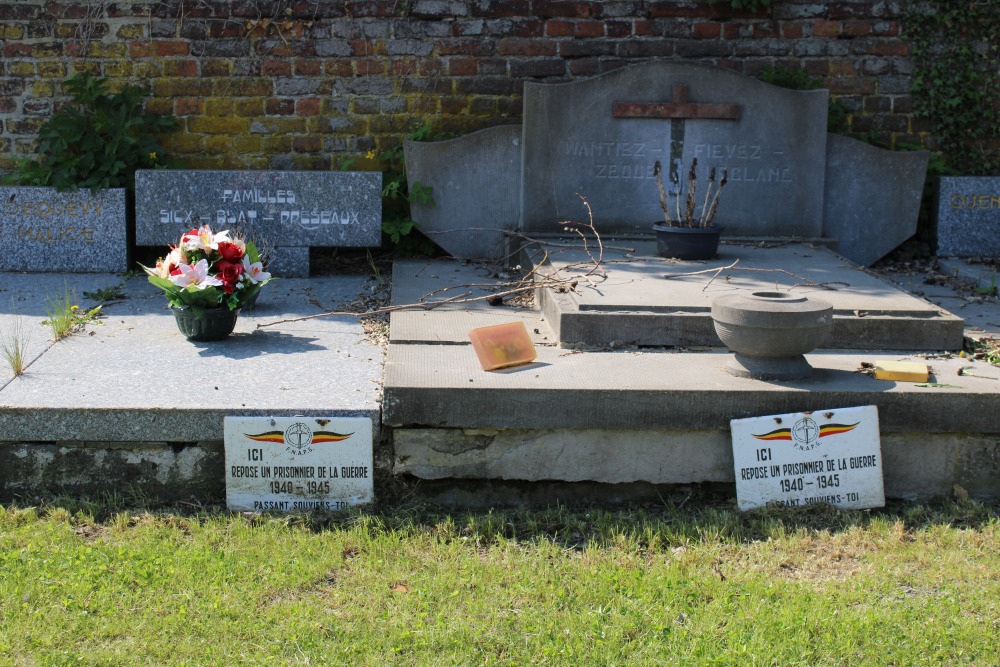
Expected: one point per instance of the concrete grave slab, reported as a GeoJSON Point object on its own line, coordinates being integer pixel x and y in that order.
{"type": "Point", "coordinates": [968, 221]}
{"type": "Point", "coordinates": [42, 229]}
{"type": "Point", "coordinates": [419, 281]}
{"type": "Point", "coordinates": [637, 305]}
{"type": "Point", "coordinates": [287, 211]}
{"type": "Point", "coordinates": [872, 198]}
{"type": "Point", "coordinates": [476, 182]}
{"type": "Point", "coordinates": [166, 389]}
{"type": "Point", "coordinates": [574, 145]}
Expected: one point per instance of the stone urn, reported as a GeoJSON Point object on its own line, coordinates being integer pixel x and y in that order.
{"type": "Point", "coordinates": [769, 332]}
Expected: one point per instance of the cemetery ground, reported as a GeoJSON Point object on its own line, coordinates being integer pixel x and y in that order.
{"type": "Point", "coordinates": [678, 578]}
{"type": "Point", "coordinates": [684, 580]}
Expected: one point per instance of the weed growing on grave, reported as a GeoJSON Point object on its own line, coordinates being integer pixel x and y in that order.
{"type": "Point", "coordinates": [106, 294]}
{"type": "Point", "coordinates": [97, 140]}
{"type": "Point", "coordinates": [14, 346]}
{"type": "Point", "coordinates": [398, 193]}
{"type": "Point", "coordinates": [65, 317]}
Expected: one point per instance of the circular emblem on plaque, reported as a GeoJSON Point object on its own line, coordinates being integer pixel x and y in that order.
{"type": "Point", "coordinates": [805, 433]}
{"type": "Point", "coordinates": [298, 436]}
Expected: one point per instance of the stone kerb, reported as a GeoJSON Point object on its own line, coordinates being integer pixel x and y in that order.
{"type": "Point", "coordinates": [968, 224]}
{"type": "Point", "coordinates": [285, 212]}
{"type": "Point", "coordinates": [43, 230]}
{"type": "Point", "coordinates": [872, 200]}
{"type": "Point", "coordinates": [775, 153]}
{"type": "Point", "coordinates": [476, 185]}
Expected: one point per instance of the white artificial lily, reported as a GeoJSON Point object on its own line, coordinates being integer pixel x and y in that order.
{"type": "Point", "coordinates": [204, 239]}
{"type": "Point", "coordinates": [196, 275]}
{"type": "Point", "coordinates": [255, 272]}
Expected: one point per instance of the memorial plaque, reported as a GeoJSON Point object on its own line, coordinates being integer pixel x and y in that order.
{"type": "Point", "coordinates": [42, 229]}
{"type": "Point", "coordinates": [279, 210]}
{"type": "Point", "coordinates": [298, 464]}
{"type": "Point", "coordinates": [599, 138]}
{"type": "Point", "coordinates": [807, 458]}
{"type": "Point", "coordinates": [968, 223]}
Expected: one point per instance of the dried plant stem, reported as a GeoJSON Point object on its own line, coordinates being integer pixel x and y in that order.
{"type": "Point", "coordinates": [708, 194]}
{"type": "Point", "coordinates": [828, 285]}
{"type": "Point", "coordinates": [664, 203]}
{"type": "Point", "coordinates": [692, 184]}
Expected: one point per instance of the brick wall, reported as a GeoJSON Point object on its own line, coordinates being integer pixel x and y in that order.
{"type": "Point", "coordinates": [297, 84]}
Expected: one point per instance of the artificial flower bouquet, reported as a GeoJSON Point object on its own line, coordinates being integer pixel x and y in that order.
{"type": "Point", "coordinates": [208, 270]}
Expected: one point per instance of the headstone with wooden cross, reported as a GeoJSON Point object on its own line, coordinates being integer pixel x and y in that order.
{"type": "Point", "coordinates": [599, 138]}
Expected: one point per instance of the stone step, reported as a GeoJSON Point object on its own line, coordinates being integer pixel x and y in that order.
{"type": "Point", "coordinates": [636, 304]}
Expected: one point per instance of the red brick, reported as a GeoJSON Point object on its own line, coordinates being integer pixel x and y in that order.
{"type": "Point", "coordinates": [189, 106]}
{"type": "Point", "coordinates": [276, 68]}
{"type": "Point", "coordinates": [338, 68]}
{"type": "Point", "coordinates": [827, 28]}
{"type": "Point", "coordinates": [526, 47]}
{"type": "Point", "coordinates": [857, 28]}
{"type": "Point", "coordinates": [642, 28]}
{"type": "Point", "coordinates": [462, 67]}
{"type": "Point", "coordinates": [706, 30]}
{"type": "Point", "coordinates": [172, 48]}
{"type": "Point", "coordinates": [617, 29]}
{"type": "Point", "coordinates": [307, 106]}
{"type": "Point", "coordinates": [791, 30]}
{"type": "Point", "coordinates": [589, 29]}
{"type": "Point", "coordinates": [369, 67]}
{"type": "Point", "coordinates": [308, 67]}
{"type": "Point", "coordinates": [279, 107]}
{"type": "Point", "coordinates": [180, 67]}
{"type": "Point", "coordinates": [559, 28]}
{"type": "Point", "coordinates": [889, 47]}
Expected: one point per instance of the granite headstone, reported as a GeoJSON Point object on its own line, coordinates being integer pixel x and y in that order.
{"type": "Point", "coordinates": [476, 185]}
{"type": "Point", "coordinates": [42, 229]}
{"type": "Point", "coordinates": [599, 138]}
{"type": "Point", "coordinates": [285, 212]}
{"type": "Point", "coordinates": [872, 199]}
{"type": "Point", "coordinates": [968, 222]}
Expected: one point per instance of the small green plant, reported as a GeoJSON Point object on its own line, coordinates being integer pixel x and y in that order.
{"type": "Point", "coordinates": [398, 193]}
{"type": "Point", "coordinates": [106, 294]}
{"type": "Point", "coordinates": [97, 140]}
{"type": "Point", "coordinates": [65, 317]}
{"type": "Point", "coordinates": [799, 79]}
{"type": "Point", "coordinates": [14, 346]}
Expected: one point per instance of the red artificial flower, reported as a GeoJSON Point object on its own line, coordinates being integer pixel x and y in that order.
{"type": "Point", "coordinates": [228, 272]}
{"type": "Point", "coordinates": [230, 251]}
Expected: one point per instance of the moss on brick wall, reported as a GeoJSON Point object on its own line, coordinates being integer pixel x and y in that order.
{"type": "Point", "coordinates": [298, 84]}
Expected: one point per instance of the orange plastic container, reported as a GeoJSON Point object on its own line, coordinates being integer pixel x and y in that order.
{"type": "Point", "coordinates": [502, 345]}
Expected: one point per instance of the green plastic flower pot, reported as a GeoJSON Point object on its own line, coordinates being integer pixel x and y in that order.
{"type": "Point", "coordinates": [212, 324]}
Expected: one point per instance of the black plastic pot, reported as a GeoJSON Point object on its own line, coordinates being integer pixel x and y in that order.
{"type": "Point", "coordinates": [212, 324]}
{"type": "Point", "coordinates": [687, 242]}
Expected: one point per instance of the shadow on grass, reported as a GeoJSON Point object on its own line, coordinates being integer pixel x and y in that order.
{"type": "Point", "coordinates": [683, 516]}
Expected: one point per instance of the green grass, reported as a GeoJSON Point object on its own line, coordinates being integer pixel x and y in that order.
{"type": "Point", "coordinates": [14, 346]}
{"type": "Point", "coordinates": [65, 317]}
{"type": "Point", "coordinates": [96, 584]}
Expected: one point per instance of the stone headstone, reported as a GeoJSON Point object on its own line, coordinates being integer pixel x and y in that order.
{"type": "Point", "coordinates": [42, 229]}
{"type": "Point", "coordinates": [872, 198]}
{"type": "Point", "coordinates": [284, 212]}
{"type": "Point", "coordinates": [476, 185]}
{"type": "Point", "coordinates": [771, 140]}
{"type": "Point", "coordinates": [968, 222]}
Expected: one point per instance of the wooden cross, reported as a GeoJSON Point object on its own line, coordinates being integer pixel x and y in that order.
{"type": "Point", "coordinates": [680, 108]}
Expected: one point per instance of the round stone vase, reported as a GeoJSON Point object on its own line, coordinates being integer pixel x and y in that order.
{"type": "Point", "coordinates": [769, 332]}
{"type": "Point", "coordinates": [212, 324]}
{"type": "Point", "coordinates": [687, 242]}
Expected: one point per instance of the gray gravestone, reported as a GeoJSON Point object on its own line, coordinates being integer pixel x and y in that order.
{"type": "Point", "coordinates": [968, 223]}
{"type": "Point", "coordinates": [872, 199]}
{"type": "Point", "coordinates": [771, 140]}
{"type": "Point", "coordinates": [42, 229]}
{"type": "Point", "coordinates": [476, 185]}
{"type": "Point", "coordinates": [285, 212]}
